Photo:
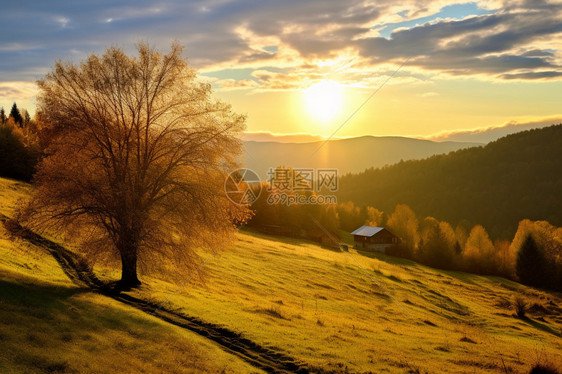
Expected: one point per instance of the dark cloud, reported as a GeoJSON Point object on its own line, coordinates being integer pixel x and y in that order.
{"type": "Point", "coordinates": [474, 65]}
{"type": "Point", "coordinates": [533, 75]}
{"type": "Point", "coordinates": [500, 44]}
{"type": "Point", "coordinates": [538, 53]}
{"type": "Point", "coordinates": [469, 46]}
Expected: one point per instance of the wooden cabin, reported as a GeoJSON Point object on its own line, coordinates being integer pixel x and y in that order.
{"type": "Point", "coordinates": [373, 238]}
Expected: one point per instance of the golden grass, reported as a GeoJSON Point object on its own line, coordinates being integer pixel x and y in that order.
{"type": "Point", "coordinates": [47, 324]}
{"type": "Point", "coordinates": [377, 314]}
{"type": "Point", "coordinates": [11, 192]}
{"type": "Point", "coordinates": [355, 312]}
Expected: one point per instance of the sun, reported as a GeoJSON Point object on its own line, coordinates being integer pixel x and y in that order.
{"type": "Point", "coordinates": [324, 99]}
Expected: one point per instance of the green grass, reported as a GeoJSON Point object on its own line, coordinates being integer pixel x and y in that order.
{"type": "Point", "coordinates": [345, 311]}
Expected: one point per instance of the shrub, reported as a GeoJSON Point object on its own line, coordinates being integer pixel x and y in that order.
{"type": "Point", "coordinates": [545, 368]}
{"type": "Point", "coordinates": [520, 307]}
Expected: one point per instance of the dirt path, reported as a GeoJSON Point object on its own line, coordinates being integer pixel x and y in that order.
{"type": "Point", "coordinates": [260, 357]}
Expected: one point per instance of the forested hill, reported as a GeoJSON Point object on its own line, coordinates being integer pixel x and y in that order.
{"type": "Point", "coordinates": [516, 177]}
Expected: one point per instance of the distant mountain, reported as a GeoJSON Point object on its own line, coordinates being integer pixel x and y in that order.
{"type": "Point", "coordinates": [350, 155]}
{"type": "Point", "coordinates": [516, 177]}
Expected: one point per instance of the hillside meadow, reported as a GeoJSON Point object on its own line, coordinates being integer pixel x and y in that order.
{"type": "Point", "coordinates": [49, 325]}
{"type": "Point", "coordinates": [335, 311]}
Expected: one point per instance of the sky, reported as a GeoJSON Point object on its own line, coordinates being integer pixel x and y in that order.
{"type": "Point", "coordinates": [420, 68]}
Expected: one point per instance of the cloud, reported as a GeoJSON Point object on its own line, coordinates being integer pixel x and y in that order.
{"type": "Point", "coordinates": [533, 75]}
{"type": "Point", "coordinates": [504, 45]}
{"type": "Point", "coordinates": [11, 91]}
{"type": "Point", "coordinates": [511, 40]}
{"type": "Point", "coordinates": [21, 92]}
{"type": "Point", "coordinates": [232, 84]}
{"type": "Point", "coordinates": [488, 134]}
{"type": "Point", "coordinates": [468, 47]}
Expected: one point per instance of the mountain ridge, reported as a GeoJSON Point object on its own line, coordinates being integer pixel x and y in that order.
{"type": "Point", "coordinates": [349, 155]}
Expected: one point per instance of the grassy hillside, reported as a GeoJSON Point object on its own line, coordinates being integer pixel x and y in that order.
{"type": "Point", "coordinates": [498, 185]}
{"type": "Point", "coordinates": [339, 311]}
{"type": "Point", "coordinates": [335, 311]}
{"type": "Point", "coordinates": [47, 324]}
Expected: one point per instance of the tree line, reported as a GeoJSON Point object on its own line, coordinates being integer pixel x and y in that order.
{"type": "Point", "coordinates": [533, 256]}
{"type": "Point", "coordinates": [312, 221]}
{"type": "Point", "coordinates": [513, 178]}
{"type": "Point", "coordinates": [17, 116]}
{"type": "Point", "coordinates": [19, 144]}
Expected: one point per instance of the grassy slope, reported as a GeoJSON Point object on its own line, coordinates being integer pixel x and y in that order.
{"type": "Point", "coordinates": [336, 310]}
{"type": "Point", "coordinates": [47, 324]}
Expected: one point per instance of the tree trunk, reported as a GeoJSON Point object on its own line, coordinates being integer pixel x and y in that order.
{"type": "Point", "coordinates": [129, 277]}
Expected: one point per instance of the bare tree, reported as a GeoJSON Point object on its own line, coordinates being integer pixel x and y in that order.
{"type": "Point", "coordinates": [137, 160]}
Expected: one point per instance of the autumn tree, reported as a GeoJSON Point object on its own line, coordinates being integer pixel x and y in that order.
{"type": "Point", "coordinates": [375, 217]}
{"type": "Point", "coordinates": [404, 224]}
{"type": "Point", "coordinates": [449, 235]}
{"type": "Point", "coordinates": [25, 117]}
{"type": "Point", "coordinates": [350, 216]}
{"type": "Point", "coordinates": [3, 118]}
{"type": "Point", "coordinates": [479, 253]}
{"type": "Point", "coordinates": [546, 235]}
{"type": "Point", "coordinates": [137, 160]}
{"type": "Point", "coordinates": [327, 216]}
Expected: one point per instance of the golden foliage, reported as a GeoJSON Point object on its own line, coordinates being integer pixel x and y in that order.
{"type": "Point", "coordinates": [404, 223]}
{"type": "Point", "coordinates": [137, 158]}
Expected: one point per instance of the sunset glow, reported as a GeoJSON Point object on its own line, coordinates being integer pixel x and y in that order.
{"type": "Point", "coordinates": [324, 99]}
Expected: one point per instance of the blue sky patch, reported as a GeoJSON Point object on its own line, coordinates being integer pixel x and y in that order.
{"type": "Point", "coordinates": [456, 11]}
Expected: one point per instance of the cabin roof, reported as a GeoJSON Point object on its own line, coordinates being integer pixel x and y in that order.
{"type": "Point", "coordinates": [367, 231]}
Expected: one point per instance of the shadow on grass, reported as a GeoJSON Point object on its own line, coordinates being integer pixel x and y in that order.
{"type": "Point", "coordinates": [541, 326]}
{"type": "Point", "coordinates": [52, 302]}
{"type": "Point", "coordinates": [46, 329]}
{"type": "Point", "coordinates": [33, 295]}
{"type": "Point", "coordinates": [387, 258]}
